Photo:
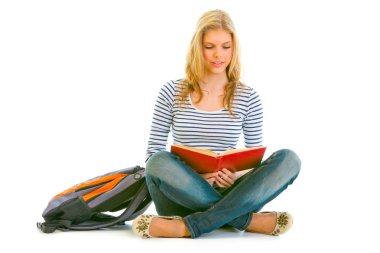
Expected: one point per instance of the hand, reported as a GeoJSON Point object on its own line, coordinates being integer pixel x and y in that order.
{"type": "Point", "coordinates": [225, 178]}
{"type": "Point", "coordinates": [209, 177]}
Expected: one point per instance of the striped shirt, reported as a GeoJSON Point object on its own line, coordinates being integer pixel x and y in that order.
{"type": "Point", "coordinates": [214, 130]}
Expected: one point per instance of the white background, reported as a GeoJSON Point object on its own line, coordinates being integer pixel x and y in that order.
{"type": "Point", "coordinates": [79, 81]}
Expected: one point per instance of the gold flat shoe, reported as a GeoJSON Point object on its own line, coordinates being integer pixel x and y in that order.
{"type": "Point", "coordinates": [284, 222]}
{"type": "Point", "coordinates": [141, 224]}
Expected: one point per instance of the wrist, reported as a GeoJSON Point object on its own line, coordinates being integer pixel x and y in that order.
{"type": "Point", "coordinates": [242, 173]}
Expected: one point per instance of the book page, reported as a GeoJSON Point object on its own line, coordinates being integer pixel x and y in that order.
{"type": "Point", "coordinates": [231, 151]}
{"type": "Point", "coordinates": [198, 150]}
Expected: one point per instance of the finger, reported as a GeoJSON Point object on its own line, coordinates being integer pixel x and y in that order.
{"type": "Point", "coordinates": [230, 174]}
{"type": "Point", "coordinates": [223, 182]}
{"type": "Point", "coordinates": [211, 181]}
{"type": "Point", "coordinates": [219, 184]}
{"type": "Point", "coordinates": [225, 178]}
{"type": "Point", "coordinates": [208, 175]}
{"type": "Point", "coordinates": [225, 170]}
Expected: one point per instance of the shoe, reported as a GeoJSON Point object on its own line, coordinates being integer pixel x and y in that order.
{"type": "Point", "coordinates": [141, 224]}
{"type": "Point", "coordinates": [283, 224]}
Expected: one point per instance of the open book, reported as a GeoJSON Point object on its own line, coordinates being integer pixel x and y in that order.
{"type": "Point", "coordinates": [204, 160]}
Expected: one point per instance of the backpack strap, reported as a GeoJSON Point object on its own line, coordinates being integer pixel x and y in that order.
{"type": "Point", "coordinates": [50, 227]}
{"type": "Point", "coordinates": [137, 206]}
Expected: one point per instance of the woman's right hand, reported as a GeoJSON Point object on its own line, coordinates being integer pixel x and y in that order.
{"type": "Point", "coordinates": [209, 177]}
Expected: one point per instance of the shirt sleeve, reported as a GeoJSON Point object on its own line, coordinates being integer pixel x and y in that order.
{"type": "Point", "coordinates": [253, 122]}
{"type": "Point", "coordinates": [162, 120]}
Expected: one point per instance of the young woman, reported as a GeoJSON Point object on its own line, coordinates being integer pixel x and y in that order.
{"type": "Point", "coordinates": [208, 109]}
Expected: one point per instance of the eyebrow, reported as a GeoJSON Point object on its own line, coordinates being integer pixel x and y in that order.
{"type": "Point", "coordinates": [214, 44]}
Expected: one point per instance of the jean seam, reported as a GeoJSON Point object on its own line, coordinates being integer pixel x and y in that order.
{"type": "Point", "coordinates": [189, 227]}
{"type": "Point", "coordinates": [244, 227]}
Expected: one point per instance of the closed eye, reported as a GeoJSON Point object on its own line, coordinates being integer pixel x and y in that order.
{"type": "Point", "coordinates": [210, 47]}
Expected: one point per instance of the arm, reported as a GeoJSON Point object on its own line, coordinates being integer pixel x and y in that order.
{"type": "Point", "coordinates": [241, 173]}
{"type": "Point", "coordinates": [253, 121]}
{"type": "Point", "coordinates": [252, 126]}
{"type": "Point", "coordinates": [252, 129]}
{"type": "Point", "coordinates": [162, 120]}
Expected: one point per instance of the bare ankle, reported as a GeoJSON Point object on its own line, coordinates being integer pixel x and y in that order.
{"type": "Point", "coordinates": [263, 223]}
{"type": "Point", "coordinates": [185, 231]}
{"type": "Point", "coordinates": [161, 227]}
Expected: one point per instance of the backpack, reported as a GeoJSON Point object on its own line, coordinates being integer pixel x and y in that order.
{"type": "Point", "coordinates": [82, 206]}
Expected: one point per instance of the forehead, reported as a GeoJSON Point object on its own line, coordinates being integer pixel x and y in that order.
{"type": "Point", "coordinates": [217, 36]}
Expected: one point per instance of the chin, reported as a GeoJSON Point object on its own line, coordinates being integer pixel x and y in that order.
{"type": "Point", "coordinates": [216, 71]}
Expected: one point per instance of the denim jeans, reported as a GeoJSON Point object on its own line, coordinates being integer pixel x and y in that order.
{"type": "Point", "coordinates": [176, 189]}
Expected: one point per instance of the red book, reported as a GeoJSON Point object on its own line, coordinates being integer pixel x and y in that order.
{"type": "Point", "coordinates": [205, 161]}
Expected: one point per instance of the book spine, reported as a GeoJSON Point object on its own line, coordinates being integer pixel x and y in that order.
{"type": "Point", "coordinates": [219, 163]}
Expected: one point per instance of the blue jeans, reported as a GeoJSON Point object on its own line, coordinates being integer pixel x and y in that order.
{"type": "Point", "coordinates": [178, 190]}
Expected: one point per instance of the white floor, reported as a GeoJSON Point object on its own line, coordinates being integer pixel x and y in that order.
{"type": "Point", "coordinates": [221, 240]}
{"type": "Point", "coordinates": [307, 235]}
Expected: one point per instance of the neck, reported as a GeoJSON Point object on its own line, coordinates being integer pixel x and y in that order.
{"type": "Point", "coordinates": [214, 82]}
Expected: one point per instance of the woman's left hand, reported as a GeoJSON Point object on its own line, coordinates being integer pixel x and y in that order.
{"type": "Point", "coordinates": [225, 178]}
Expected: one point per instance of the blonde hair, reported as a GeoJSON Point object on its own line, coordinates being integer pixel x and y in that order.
{"type": "Point", "coordinates": [195, 62]}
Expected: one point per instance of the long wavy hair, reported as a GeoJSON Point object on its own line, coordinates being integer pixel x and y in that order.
{"type": "Point", "coordinates": [195, 62]}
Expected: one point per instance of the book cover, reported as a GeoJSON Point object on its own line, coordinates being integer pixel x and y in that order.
{"type": "Point", "coordinates": [205, 161]}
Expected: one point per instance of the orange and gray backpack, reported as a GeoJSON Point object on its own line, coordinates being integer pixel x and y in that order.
{"type": "Point", "coordinates": [86, 206]}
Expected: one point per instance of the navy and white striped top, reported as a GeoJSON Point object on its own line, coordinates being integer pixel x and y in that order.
{"type": "Point", "coordinates": [214, 130]}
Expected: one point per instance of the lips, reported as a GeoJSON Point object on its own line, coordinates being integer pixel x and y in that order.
{"type": "Point", "coordinates": [217, 63]}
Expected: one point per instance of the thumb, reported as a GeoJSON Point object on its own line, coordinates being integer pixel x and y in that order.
{"type": "Point", "coordinates": [209, 175]}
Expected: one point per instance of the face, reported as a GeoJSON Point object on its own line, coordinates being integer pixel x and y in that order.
{"type": "Point", "coordinates": [217, 51]}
